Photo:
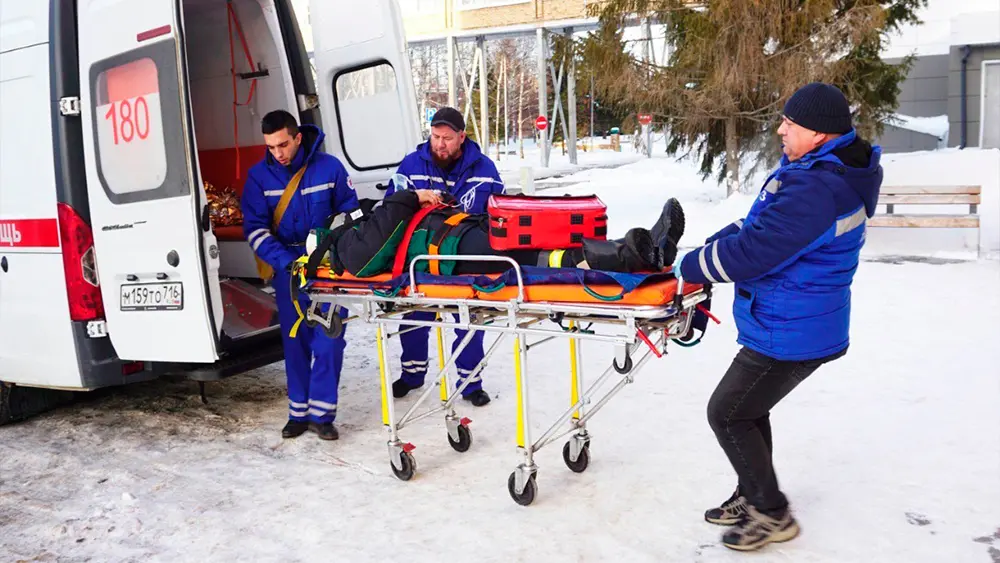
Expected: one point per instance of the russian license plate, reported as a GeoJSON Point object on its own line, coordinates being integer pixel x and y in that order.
{"type": "Point", "coordinates": [167, 296]}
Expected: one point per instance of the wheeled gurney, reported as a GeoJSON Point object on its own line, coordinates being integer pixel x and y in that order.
{"type": "Point", "coordinates": [639, 314]}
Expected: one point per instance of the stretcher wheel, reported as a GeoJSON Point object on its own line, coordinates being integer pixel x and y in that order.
{"type": "Point", "coordinates": [623, 369]}
{"type": "Point", "coordinates": [464, 439]}
{"type": "Point", "coordinates": [409, 467]}
{"type": "Point", "coordinates": [336, 326]}
{"type": "Point", "coordinates": [311, 322]}
{"type": "Point", "coordinates": [582, 462]}
{"type": "Point", "coordinates": [528, 495]}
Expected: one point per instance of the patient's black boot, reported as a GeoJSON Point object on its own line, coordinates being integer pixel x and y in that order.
{"type": "Point", "coordinates": [635, 253]}
{"type": "Point", "coordinates": [668, 230]}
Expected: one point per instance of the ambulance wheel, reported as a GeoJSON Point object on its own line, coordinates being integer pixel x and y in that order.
{"type": "Point", "coordinates": [582, 462]}
{"type": "Point", "coordinates": [527, 496]}
{"type": "Point", "coordinates": [464, 439]}
{"type": "Point", "coordinates": [336, 326]}
{"type": "Point", "coordinates": [409, 467]}
{"type": "Point", "coordinates": [623, 369]}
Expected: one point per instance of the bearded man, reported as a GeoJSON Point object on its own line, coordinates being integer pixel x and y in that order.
{"type": "Point", "coordinates": [452, 163]}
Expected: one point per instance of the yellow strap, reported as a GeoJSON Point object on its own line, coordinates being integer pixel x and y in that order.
{"type": "Point", "coordinates": [555, 258]}
{"type": "Point", "coordinates": [264, 270]}
{"type": "Point", "coordinates": [286, 196]}
{"type": "Point", "coordinates": [298, 270]}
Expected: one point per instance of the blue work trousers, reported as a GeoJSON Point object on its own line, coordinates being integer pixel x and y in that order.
{"type": "Point", "coordinates": [414, 358]}
{"type": "Point", "coordinates": [312, 360]}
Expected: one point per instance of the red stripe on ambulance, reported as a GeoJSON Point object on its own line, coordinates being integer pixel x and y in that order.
{"type": "Point", "coordinates": [33, 233]}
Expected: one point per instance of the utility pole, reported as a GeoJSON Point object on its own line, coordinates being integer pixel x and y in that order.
{"type": "Point", "coordinates": [571, 102]}
{"type": "Point", "coordinates": [543, 94]}
{"type": "Point", "coordinates": [591, 112]}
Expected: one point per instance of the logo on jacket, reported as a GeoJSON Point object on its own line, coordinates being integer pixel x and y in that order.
{"type": "Point", "coordinates": [468, 199]}
{"type": "Point", "coordinates": [350, 183]}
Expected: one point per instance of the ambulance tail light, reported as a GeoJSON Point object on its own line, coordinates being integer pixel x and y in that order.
{"type": "Point", "coordinates": [80, 263]}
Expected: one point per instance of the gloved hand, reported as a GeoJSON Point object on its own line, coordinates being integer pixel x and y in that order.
{"type": "Point", "coordinates": [676, 269]}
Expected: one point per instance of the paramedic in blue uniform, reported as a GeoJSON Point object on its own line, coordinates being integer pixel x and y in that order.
{"type": "Point", "coordinates": [447, 162]}
{"type": "Point", "coordinates": [312, 359]}
{"type": "Point", "coordinates": [792, 260]}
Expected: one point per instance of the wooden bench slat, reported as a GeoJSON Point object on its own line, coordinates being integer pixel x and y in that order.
{"type": "Point", "coordinates": [929, 199]}
{"type": "Point", "coordinates": [907, 190]}
{"type": "Point", "coordinates": [932, 221]}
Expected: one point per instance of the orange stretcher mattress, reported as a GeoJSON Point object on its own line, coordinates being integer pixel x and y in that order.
{"type": "Point", "coordinates": [651, 294]}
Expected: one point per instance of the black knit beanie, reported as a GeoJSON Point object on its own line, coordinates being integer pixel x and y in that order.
{"type": "Point", "coordinates": [820, 107]}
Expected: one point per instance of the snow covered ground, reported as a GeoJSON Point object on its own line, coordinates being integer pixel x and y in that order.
{"type": "Point", "coordinates": [890, 454]}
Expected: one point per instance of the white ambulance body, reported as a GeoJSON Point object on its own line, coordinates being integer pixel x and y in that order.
{"type": "Point", "coordinates": [113, 113]}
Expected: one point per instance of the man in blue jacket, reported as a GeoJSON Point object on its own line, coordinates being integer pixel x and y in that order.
{"type": "Point", "coordinates": [312, 359]}
{"type": "Point", "coordinates": [792, 260]}
{"type": "Point", "coordinates": [448, 162]}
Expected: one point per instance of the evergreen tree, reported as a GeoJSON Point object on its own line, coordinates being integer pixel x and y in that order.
{"type": "Point", "coordinates": [733, 63]}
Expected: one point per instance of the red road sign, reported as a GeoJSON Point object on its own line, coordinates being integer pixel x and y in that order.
{"type": "Point", "coordinates": [645, 118]}
{"type": "Point", "coordinates": [541, 123]}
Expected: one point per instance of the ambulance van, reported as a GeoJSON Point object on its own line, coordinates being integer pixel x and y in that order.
{"type": "Point", "coordinates": [114, 116]}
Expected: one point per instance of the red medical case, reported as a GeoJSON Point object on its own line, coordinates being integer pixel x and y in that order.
{"type": "Point", "coordinates": [523, 222]}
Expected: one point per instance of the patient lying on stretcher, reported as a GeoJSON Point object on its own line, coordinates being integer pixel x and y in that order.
{"type": "Point", "coordinates": [368, 245]}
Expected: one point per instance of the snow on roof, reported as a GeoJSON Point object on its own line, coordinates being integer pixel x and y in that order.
{"type": "Point", "coordinates": [936, 126]}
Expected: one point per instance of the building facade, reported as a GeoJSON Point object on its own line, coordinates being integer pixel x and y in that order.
{"type": "Point", "coordinates": [951, 97]}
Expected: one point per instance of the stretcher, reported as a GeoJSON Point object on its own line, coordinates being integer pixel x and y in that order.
{"type": "Point", "coordinates": [637, 313]}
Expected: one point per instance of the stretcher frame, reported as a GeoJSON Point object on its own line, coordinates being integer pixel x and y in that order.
{"type": "Point", "coordinates": [635, 329]}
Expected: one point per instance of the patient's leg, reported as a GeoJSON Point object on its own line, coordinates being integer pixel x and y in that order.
{"type": "Point", "coordinates": [635, 253]}
{"type": "Point", "coordinates": [476, 241]}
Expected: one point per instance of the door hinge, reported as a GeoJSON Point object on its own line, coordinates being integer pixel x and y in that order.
{"type": "Point", "coordinates": [69, 105]}
{"type": "Point", "coordinates": [308, 101]}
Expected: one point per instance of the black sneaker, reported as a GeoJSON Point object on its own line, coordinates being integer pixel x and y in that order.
{"type": "Point", "coordinates": [294, 429]}
{"type": "Point", "coordinates": [668, 230]}
{"type": "Point", "coordinates": [326, 431]}
{"type": "Point", "coordinates": [758, 529]}
{"type": "Point", "coordinates": [729, 512]}
{"type": "Point", "coordinates": [478, 397]}
{"type": "Point", "coordinates": [400, 388]}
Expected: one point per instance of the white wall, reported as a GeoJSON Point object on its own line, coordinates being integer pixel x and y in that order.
{"type": "Point", "coordinates": [939, 168]}
{"type": "Point", "coordinates": [943, 25]}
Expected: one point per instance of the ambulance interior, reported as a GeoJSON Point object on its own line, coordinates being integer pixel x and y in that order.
{"type": "Point", "coordinates": [221, 35]}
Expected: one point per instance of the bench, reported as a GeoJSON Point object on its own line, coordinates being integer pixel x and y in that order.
{"type": "Point", "coordinates": [890, 196]}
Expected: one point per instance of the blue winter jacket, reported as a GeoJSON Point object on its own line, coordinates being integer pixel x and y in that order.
{"type": "Point", "coordinates": [794, 256]}
{"type": "Point", "coordinates": [325, 189]}
{"type": "Point", "coordinates": [471, 180]}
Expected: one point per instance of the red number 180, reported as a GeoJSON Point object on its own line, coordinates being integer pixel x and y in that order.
{"type": "Point", "coordinates": [131, 125]}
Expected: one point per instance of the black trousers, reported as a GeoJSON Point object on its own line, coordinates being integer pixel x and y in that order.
{"type": "Point", "coordinates": [739, 413]}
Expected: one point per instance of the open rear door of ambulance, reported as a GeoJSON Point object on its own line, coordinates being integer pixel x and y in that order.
{"type": "Point", "coordinates": [145, 209]}
{"type": "Point", "coordinates": [365, 88]}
